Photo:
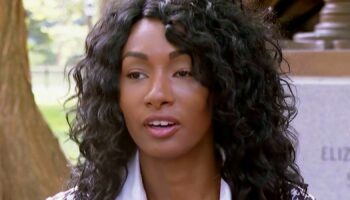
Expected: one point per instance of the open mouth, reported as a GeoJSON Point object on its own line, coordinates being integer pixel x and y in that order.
{"type": "Point", "coordinates": [162, 129]}
{"type": "Point", "coordinates": [161, 124]}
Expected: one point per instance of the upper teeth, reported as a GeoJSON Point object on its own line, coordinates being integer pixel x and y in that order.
{"type": "Point", "coordinates": [161, 123]}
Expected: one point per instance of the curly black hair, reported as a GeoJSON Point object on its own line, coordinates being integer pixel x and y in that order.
{"type": "Point", "coordinates": [235, 55]}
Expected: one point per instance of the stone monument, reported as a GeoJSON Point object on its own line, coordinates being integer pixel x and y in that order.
{"type": "Point", "coordinates": [320, 65]}
{"type": "Point", "coordinates": [323, 126]}
{"type": "Point", "coordinates": [333, 30]}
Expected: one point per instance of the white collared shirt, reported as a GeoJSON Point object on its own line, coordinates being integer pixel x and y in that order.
{"type": "Point", "coordinates": [133, 187]}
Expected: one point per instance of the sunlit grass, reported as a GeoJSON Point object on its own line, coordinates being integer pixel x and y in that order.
{"type": "Point", "coordinates": [56, 118]}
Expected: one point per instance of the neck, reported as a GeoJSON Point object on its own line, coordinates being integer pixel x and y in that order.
{"type": "Point", "coordinates": [194, 176]}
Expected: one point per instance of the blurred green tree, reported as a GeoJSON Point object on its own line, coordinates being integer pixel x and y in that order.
{"type": "Point", "coordinates": [56, 31]}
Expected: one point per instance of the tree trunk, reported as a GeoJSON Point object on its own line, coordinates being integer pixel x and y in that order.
{"type": "Point", "coordinates": [31, 163]}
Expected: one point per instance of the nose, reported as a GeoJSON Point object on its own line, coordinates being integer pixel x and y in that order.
{"type": "Point", "coordinates": [159, 92]}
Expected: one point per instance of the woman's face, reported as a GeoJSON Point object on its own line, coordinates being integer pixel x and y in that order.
{"type": "Point", "coordinates": [167, 112]}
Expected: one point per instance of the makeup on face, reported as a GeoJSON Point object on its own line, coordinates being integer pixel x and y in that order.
{"type": "Point", "coordinates": [167, 111]}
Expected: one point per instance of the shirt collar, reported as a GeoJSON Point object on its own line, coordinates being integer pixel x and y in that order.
{"type": "Point", "coordinates": [133, 187]}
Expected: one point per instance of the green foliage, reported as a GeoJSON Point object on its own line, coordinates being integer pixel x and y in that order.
{"type": "Point", "coordinates": [39, 42]}
{"type": "Point", "coordinates": [56, 31]}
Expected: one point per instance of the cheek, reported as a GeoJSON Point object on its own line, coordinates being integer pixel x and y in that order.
{"type": "Point", "coordinates": [130, 114]}
{"type": "Point", "coordinates": [197, 103]}
{"type": "Point", "coordinates": [128, 106]}
{"type": "Point", "coordinates": [129, 97]}
{"type": "Point", "coordinates": [122, 103]}
{"type": "Point", "coordinates": [131, 105]}
{"type": "Point", "coordinates": [198, 97]}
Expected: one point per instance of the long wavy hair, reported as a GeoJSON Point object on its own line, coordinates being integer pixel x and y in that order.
{"type": "Point", "coordinates": [234, 54]}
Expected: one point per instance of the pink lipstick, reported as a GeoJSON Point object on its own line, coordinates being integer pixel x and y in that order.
{"type": "Point", "coordinates": [161, 126]}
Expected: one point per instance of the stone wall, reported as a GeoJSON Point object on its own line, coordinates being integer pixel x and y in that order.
{"type": "Point", "coordinates": [322, 86]}
{"type": "Point", "coordinates": [323, 124]}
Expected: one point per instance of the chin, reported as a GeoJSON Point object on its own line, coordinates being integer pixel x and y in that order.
{"type": "Point", "coordinates": [165, 152]}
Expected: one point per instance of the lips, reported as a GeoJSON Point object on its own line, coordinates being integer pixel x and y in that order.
{"type": "Point", "coordinates": [161, 123]}
{"type": "Point", "coordinates": [161, 126]}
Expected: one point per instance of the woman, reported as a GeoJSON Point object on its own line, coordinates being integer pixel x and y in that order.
{"type": "Point", "coordinates": [183, 99]}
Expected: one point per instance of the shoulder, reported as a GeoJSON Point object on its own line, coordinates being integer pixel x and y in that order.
{"type": "Point", "coordinates": [65, 195]}
{"type": "Point", "coordinates": [297, 193]}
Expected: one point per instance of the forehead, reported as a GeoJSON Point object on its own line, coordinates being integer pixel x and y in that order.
{"type": "Point", "coordinates": [148, 35]}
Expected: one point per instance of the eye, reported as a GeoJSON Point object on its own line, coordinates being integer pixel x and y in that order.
{"type": "Point", "coordinates": [183, 73]}
{"type": "Point", "coordinates": [136, 75]}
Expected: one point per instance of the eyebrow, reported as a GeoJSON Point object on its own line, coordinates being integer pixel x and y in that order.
{"type": "Point", "coordinates": [143, 56]}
